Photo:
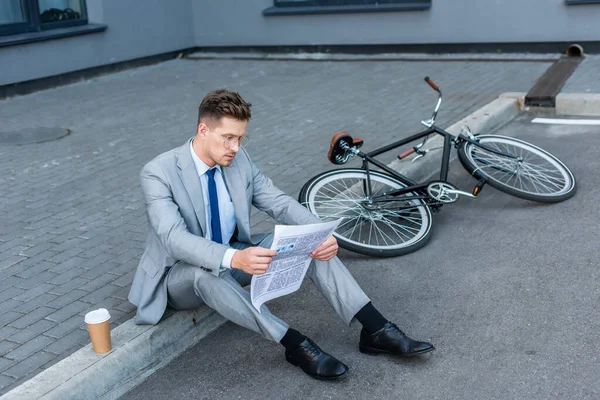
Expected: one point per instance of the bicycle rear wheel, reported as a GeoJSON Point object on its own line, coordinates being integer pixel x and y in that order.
{"type": "Point", "coordinates": [533, 175]}
{"type": "Point", "coordinates": [383, 229]}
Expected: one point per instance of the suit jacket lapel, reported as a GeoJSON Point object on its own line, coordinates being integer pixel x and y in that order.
{"type": "Point", "coordinates": [191, 182]}
{"type": "Point", "coordinates": [237, 190]}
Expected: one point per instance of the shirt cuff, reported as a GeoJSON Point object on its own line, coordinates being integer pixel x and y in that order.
{"type": "Point", "coordinates": [226, 261]}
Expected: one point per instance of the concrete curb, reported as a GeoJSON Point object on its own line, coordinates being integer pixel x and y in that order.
{"type": "Point", "coordinates": [578, 104]}
{"type": "Point", "coordinates": [138, 351]}
{"type": "Point", "coordinates": [484, 57]}
{"type": "Point", "coordinates": [486, 119]}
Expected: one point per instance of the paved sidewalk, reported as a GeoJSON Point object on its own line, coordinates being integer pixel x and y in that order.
{"type": "Point", "coordinates": [72, 224]}
{"type": "Point", "coordinates": [586, 78]}
{"type": "Point", "coordinates": [506, 290]}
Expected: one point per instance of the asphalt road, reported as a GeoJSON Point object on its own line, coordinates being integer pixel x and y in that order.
{"type": "Point", "coordinates": [507, 290]}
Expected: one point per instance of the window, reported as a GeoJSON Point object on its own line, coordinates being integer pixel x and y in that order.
{"type": "Point", "coordinates": [21, 16]}
{"type": "Point", "coordinates": [291, 7]}
{"type": "Point", "coordinates": [300, 3]}
{"type": "Point", "coordinates": [572, 2]}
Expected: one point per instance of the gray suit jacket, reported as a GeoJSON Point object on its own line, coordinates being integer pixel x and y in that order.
{"type": "Point", "coordinates": [177, 222]}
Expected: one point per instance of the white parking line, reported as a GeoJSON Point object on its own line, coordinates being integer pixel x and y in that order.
{"type": "Point", "coordinates": [566, 121]}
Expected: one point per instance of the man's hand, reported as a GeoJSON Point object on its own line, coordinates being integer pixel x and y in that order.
{"type": "Point", "coordinates": [253, 260]}
{"type": "Point", "coordinates": [326, 251]}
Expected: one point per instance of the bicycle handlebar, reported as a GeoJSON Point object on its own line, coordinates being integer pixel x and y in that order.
{"type": "Point", "coordinates": [406, 153]}
{"type": "Point", "coordinates": [431, 83]}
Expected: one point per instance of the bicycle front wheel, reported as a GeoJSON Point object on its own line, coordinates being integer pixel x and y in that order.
{"type": "Point", "coordinates": [530, 173]}
{"type": "Point", "coordinates": [384, 229]}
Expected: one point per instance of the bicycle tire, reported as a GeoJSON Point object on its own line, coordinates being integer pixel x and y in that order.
{"type": "Point", "coordinates": [375, 231]}
{"type": "Point", "coordinates": [536, 176]}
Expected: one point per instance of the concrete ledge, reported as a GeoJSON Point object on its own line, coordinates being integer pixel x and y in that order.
{"type": "Point", "coordinates": [488, 118]}
{"type": "Point", "coordinates": [138, 351]}
{"type": "Point", "coordinates": [320, 56]}
{"type": "Point", "coordinates": [578, 104]}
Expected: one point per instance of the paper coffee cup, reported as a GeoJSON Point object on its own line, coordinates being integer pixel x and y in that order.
{"type": "Point", "coordinates": [98, 323]}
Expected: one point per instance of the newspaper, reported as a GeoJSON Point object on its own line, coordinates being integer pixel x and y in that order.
{"type": "Point", "coordinates": [287, 269]}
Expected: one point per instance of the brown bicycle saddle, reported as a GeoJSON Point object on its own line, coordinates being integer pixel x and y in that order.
{"type": "Point", "coordinates": [337, 154]}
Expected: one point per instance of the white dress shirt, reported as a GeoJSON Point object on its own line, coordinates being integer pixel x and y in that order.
{"type": "Point", "coordinates": [226, 210]}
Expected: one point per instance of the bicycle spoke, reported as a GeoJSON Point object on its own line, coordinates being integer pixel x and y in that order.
{"type": "Point", "coordinates": [525, 168]}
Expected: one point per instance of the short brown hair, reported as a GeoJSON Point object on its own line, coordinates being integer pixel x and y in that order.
{"type": "Point", "coordinates": [223, 103]}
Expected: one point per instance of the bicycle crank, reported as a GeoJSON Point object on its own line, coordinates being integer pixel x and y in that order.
{"type": "Point", "coordinates": [445, 192]}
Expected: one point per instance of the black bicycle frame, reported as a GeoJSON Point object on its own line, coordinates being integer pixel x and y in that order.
{"type": "Point", "coordinates": [414, 186]}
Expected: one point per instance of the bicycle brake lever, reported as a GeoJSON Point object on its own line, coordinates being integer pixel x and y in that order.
{"type": "Point", "coordinates": [420, 153]}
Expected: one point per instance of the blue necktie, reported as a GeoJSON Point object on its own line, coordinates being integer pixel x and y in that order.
{"type": "Point", "coordinates": [215, 220]}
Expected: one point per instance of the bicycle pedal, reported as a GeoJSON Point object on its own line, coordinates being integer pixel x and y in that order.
{"type": "Point", "coordinates": [479, 186]}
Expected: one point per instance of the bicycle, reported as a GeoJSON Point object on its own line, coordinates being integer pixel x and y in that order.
{"type": "Point", "coordinates": [386, 214]}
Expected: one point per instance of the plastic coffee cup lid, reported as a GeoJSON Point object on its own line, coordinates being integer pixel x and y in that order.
{"type": "Point", "coordinates": [97, 316]}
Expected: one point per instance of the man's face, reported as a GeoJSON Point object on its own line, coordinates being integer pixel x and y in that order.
{"type": "Point", "coordinates": [218, 143]}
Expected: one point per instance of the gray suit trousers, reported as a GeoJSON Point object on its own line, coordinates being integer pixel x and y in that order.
{"type": "Point", "coordinates": [189, 286]}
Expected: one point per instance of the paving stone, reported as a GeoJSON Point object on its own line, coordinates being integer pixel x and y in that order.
{"type": "Point", "coordinates": [64, 235]}
{"type": "Point", "coordinates": [66, 276]}
{"type": "Point", "coordinates": [96, 261]}
{"type": "Point", "coordinates": [121, 294]}
{"type": "Point", "coordinates": [126, 267]}
{"type": "Point", "coordinates": [12, 281]}
{"type": "Point", "coordinates": [125, 306]}
{"type": "Point", "coordinates": [98, 270]}
{"type": "Point", "coordinates": [68, 244]}
{"type": "Point", "coordinates": [29, 364]}
{"type": "Point", "coordinates": [6, 346]}
{"type": "Point", "coordinates": [33, 292]}
{"type": "Point", "coordinates": [73, 283]}
{"type": "Point", "coordinates": [31, 270]}
{"type": "Point", "coordinates": [10, 244]}
{"type": "Point", "coordinates": [124, 280]}
{"type": "Point", "coordinates": [65, 327]}
{"type": "Point", "coordinates": [34, 303]}
{"type": "Point", "coordinates": [100, 293]}
{"type": "Point", "coordinates": [98, 282]}
{"type": "Point", "coordinates": [8, 317]}
{"type": "Point", "coordinates": [127, 255]}
{"type": "Point", "coordinates": [67, 264]}
{"type": "Point", "coordinates": [117, 317]}
{"type": "Point", "coordinates": [6, 331]}
{"type": "Point", "coordinates": [30, 283]}
{"type": "Point", "coordinates": [10, 305]}
{"type": "Point", "coordinates": [31, 331]}
{"type": "Point", "coordinates": [10, 261]}
{"type": "Point", "coordinates": [6, 363]}
{"type": "Point", "coordinates": [75, 339]}
{"type": "Point", "coordinates": [90, 246]}
{"type": "Point", "coordinates": [66, 299]}
{"type": "Point", "coordinates": [37, 249]}
{"type": "Point", "coordinates": [63, 257]}
{"type": "Point", "coordinates": [8, 272]}
{"type": "Point", "coordinates": [67, 311]}
{"type": "Point", "coordinates": [32, 317]}
{"type": "Point", "coordinates": [38, 343]}
{"type": "Point", "coordinates": [5, 381]}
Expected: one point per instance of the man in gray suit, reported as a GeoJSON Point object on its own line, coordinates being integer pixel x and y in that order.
{"type": "Point", "coordinates": [200, 250]}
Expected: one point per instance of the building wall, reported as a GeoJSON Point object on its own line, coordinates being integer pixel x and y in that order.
{"type": "Point", "coordinates": [136, 28]}
{"type": "Point", "coordinates": [240, 23]}
{"type": "Point", "coordinates": [140, 28]}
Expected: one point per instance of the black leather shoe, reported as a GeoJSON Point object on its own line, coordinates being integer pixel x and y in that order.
{"type": "Point", "coordinates": [315, 362]}
{"type": "Point", "coordinates": [391, 340]}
